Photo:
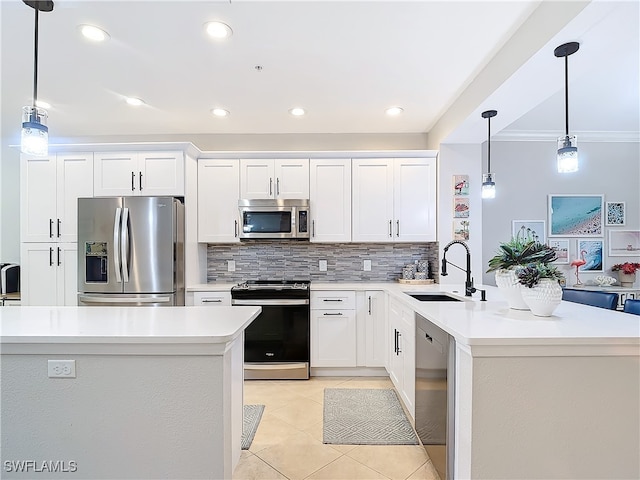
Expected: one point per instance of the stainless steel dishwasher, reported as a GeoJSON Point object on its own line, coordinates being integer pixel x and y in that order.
{"type": "Point", "coordinates": [435, 367]}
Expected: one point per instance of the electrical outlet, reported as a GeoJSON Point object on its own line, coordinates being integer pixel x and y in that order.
{"type": "Point", "coordinates": [231, 265]}
{"type": "Point", "coordinates": [366, 265]}
{"type": "Point", "coordinates": [322, 265]}
{"type": "Point", "coordinates": [61, 368]}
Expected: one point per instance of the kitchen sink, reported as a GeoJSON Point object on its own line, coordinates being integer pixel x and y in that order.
{"type": "Point", "coordinates": [434, 297]}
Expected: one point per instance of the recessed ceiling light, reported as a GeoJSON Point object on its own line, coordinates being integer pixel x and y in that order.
{"type": "Point", "coordinates": [218, 29]}
{"type": "Point", "coordinates": [394, 111]}
{"type": "Point", "coordinates": [136, 102]}
{"type": "Point", "coordinates": [220, 112]}
{"type": "Point", "coordinates": [93, 33]}
{"type": "Point", "coordinates": [42, 104]}
{"type": "Point", "coordinates": [297, 111]}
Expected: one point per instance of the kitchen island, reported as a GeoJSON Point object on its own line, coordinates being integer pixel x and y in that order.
{"type": "Point", "coordinates": [133, 392]}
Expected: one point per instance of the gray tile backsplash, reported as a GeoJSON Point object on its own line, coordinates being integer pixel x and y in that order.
{"type": "Point", "coordinates": [295, 260]}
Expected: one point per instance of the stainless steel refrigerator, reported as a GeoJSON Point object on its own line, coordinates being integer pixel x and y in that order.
{"type": "Point", "coordinates": [131, 251]}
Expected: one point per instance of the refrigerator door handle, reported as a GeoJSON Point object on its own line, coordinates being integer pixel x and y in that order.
{"type": "Point", "coordinates": [124, 244]}
{"type": "Point", "coordinates": [116, 244]}
{"type": "Point", "coordinates": [85, 298]}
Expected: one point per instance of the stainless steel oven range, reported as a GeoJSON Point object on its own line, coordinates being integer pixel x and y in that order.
{"type": "Point", "coordinates": [276, 343]}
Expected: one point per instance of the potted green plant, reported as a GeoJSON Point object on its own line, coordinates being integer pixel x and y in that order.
{"type": "Point", "coordinates": [519, 251]}
{"type": "Point", "coordinates": [542, 292]}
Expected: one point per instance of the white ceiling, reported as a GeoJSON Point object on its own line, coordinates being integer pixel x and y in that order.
{"type": "Point", "coordinates": [344, 62]}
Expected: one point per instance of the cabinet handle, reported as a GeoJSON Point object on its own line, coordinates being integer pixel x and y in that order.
{"type": "Point", "coordinates": [277, 186]}
{"type": "Point", "coordinates": [133, 179]}
{"type": "Point", "coordinates": [369, 304]}
{"type": "Point", "coordinates": [235, 228]}
{"type": "Point", "coordinates": [313, 228]}
{"type": "Point", "coordinates": [428, 337]}
{"type": "Point", "coordinates": [58, 228]}
{"type": "Point", "coordinates": [395, 341]}
{"type": "Point", "coordinates": [270, 186]}
{"type": "Point", "coordinates": [140, 180]}
{"type": "Point", "coordinates": [329, 314]}
{"type": "Point", "coordinates": [331, 299]}
{"type": "Point", "coordinates": [59, 263]}
{"type": "Point", "coordinates": [50, 228]}
{"type": "Point", "coordinates": [51, 256]}
{"type": "Point", "coordinates": [397, 228]}
{"type": "Point", "coordinates": [206, 300]}
{"type": "Point", "coordinates": [390, 227]}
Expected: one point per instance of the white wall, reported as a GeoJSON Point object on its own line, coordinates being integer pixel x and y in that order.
{"type": "Point", "coordinates": [526, 174]}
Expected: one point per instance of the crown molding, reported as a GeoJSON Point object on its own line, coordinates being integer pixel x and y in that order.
{"type": "Point", "coordinates": [552, 135]}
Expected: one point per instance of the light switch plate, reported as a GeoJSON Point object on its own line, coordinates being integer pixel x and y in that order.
{"type": "Point", "coordinates": [322, 265]}
{"type": "Point", "coordinates": [366, 265]}
{"type": "Point", "coordinates": [231, 265]}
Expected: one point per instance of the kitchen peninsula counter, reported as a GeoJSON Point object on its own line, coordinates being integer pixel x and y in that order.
{"type": "Point", "coordinates": [157, 392]}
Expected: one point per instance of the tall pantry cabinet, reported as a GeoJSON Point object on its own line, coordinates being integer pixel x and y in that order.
{"type": "Point", "coordinates": [49, 188]}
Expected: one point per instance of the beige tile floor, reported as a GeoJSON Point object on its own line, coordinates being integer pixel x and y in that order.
{"type": "Point", "coordinates": [288, 442]}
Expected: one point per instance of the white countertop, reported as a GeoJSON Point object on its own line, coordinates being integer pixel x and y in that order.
{"type": "Point", "coordinates": [123, 325]}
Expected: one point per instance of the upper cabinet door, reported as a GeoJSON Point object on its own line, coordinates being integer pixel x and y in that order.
{"type": "Point", "coordinates": [74, 180]}
{"type": "Point", "coordinates": [414, 200]}
{"type": "Point", "coordinates": [218, 194]}
{"type": "Point", "coordinates": [372, 200]}
{"type": "Point", "coordinates": [115, 174]}
{"type": "Point", "coordinates": [38, 192]}
{"type": "Point", "coordinates": [330, 200]}
{"type": "Point", "coordinates": [292, 178]}
{"type": "Point", "coordinates": [161, 173]}
{"type": "Point", "coordinates": [257, 179]}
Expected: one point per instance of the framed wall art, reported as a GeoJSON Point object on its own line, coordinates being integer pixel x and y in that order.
{"type": "Point", "coordinates": [576, 215]}
{"type": "Point", "coordinates": [461, 230]}
{"type": "Point", "coordinates": [460, 207]}
{"type": "Point", "coordinates": [615, 214]}
{"type": "Point", "coordinates": [534, 229]}
{"type": "Point", "coordinates": [624, 243]}
{"type": "Point", "coordinates": [561, 246]}
{"type": "Point", "coordinates": [461, 185]}
{"type": "Point", "coordinates": [591, 252]}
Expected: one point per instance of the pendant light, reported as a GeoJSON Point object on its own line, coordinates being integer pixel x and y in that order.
{"type": "Point", "coordinates": [488, 179]}
{"type": "Point", "coordinates": [567, 145]}
{"type": "Point", "coordinates": [35, 134]}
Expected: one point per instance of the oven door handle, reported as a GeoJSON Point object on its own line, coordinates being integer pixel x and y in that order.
{"type": "Point", "coordinates": [264, 302]}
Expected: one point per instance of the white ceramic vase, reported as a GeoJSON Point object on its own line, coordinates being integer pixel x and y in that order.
{"type": "Point", "coordinates": [507, 282]}
{"type": "Point", "coordinates": [626, 279]}
{"type": "Point", "coordinates": [543, 298]}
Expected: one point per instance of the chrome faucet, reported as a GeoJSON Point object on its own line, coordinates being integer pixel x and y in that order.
{"type": "Point", "coordinates": [468, 284]}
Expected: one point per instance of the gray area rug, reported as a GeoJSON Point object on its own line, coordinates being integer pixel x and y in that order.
{"type": "Point", "coordinates": [354, 416]}
{"type": "Point", "coordinates": [250, 421]}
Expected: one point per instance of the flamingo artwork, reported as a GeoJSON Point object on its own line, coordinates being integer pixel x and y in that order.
{"type": "Point", "coordinates": [578, 262]}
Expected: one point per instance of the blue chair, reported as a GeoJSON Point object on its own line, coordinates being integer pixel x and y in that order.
{"type": "Point", "coordinates": [591, 297]}
{"type": "Point", "coordinates": [632, 306]}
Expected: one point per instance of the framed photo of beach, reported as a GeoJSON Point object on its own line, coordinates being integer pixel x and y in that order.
{"type": "Point", "coordinates": [591, 252]}
{"type": "Point", "coordinates": [576, 215]}
{"type": "Point", "coordinates": [624, 243]}
{"type": "Point", "coordinates": [615, 214]}
{"type": "Point", "coordinates": [561, 246]}
{"type": "Point", "coordinates": [523, 229]}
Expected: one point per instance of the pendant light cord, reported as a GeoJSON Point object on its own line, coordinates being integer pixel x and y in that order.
{"type": "Point", "coordinates": [489, 145]}
{"type": "Point", "coordinates": [35, 62]}
{"type": "Point", "coordinates": [566, 94]}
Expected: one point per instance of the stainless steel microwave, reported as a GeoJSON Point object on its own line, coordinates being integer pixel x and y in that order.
{"type": "Point", "coordinates": [268, 218]}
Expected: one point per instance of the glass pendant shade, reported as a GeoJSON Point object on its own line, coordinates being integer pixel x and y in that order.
{"type": "Point", "coordinates": [35, 133]}
{"type": "Point", "coordinates": [488, 185]}
{"type": "Point", "coordinates": [567, 154]}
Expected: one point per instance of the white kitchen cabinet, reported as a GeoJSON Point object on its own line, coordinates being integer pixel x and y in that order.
{"type": "Point", "coordinates": [333, 329]}
{"type": "Point", "coordinates": [50, 187]}
{"type": "Point", "coordinates": [372, 328]}
{"type": "Point", "coordinates": [48, 274]}
{"type": "Point", "coordinates": [401, 349]}
{"type": "Point", "coordinates": [330, 200]}
{"type": "Point", "coordinates": [139, 173]}
{"type": "Point", "coordinates": [273, 178]}
{"type": "Point", "coordinates": [212, 299]}
{"type": "Point", "coordinates": [394, 200]}
{"type": "Point", "coordinates": [218, 195]}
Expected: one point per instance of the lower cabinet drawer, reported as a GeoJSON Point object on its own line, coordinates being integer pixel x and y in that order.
{"type": "Point", "coordinates": [212, 299]}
